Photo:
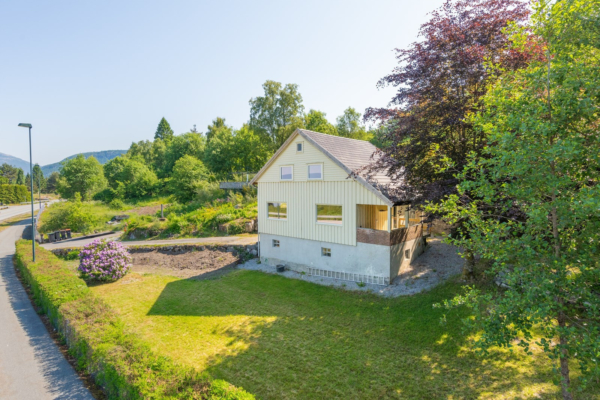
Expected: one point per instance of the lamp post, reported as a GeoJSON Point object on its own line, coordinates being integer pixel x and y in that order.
{"type": "Point", "coordinates": [31, 181]}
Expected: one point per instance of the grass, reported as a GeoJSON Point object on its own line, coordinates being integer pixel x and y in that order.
{"type": "Point", "coordinates": [280, 338]}
{"type": "Point", "coordinates": [119, 362]}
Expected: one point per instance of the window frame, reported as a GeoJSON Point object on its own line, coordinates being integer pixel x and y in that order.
{"type": "Point", "coordinates": [326, 252]}
{"type": "Point", "coordinates": [308, 172]}
{"type": "Point", "coordinates": [281, 174]}
{"type": "Point", "coordinates": [276, 243]}
{"type": "Point", "coordinates": [328, 223]}
{"type": "Point", "coordinates": [278, 212]}
{"type": "Point", "coordinates": [301, 146]}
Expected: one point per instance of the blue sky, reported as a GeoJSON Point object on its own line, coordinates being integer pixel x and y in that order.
{"type": "Point", "coordinates": [97, 75]}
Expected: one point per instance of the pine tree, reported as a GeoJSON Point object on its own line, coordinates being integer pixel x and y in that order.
{"type": "Point", "coordinates": [163, 131]}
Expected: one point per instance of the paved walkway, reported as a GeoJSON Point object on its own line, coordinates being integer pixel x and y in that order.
{"type": "Point", "coordinates": [31, 365]}
{"type": "Point", "coordinates": [13, 211]}
{"type": "Point", "coordinates": [229, 240]}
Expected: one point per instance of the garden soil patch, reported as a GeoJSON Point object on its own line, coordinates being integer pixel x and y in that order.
{"type": "Point", "coordinates": [205, 264]}
{"type": "Point", "coordinates": [147, 210]}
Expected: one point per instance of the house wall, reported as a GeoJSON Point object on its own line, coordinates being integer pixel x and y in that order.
{"type": "Point", "coordinates": [303, 195]}
{"type": "Point", "coordinates": [301, 254]}
{"type": "Point", "coordinates": [398, 262]}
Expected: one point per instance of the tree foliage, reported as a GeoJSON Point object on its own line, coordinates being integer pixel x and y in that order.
{"type": "Point", "coordinates": [278, 113]}
{"type": "Point", "coordinates": [440, 80]}
{"type": "Point", "coordinates": [80, 175]}
{"type": "Point", "coordinates": [530, 202]}
{"type": "Point", "coordinates": [188, 175]}
{"type": "Point", "coordinates": [163, 131]}
{"type": "Point", "coordinates": [316, 121]}
{"type": "Point", "coordinates": [129, 177]}
{"type": "Point", "coordinates": [350, 125]}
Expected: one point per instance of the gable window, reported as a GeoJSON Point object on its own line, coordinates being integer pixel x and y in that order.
{"type": "Point", "coordinates": [287, 173]}
{"type": "Point", "coordinates": [315, 171]}
{"type": "Point", "coordinates": [325, 252]}
{"type": "Point", "coordinates": [277, 210]}
{"type": "Point", "coordinates": [329, 215]}
{"type": "Point", "coordinates": [299, 147]}
{"type": "Point", "coordinates": [275, 243]}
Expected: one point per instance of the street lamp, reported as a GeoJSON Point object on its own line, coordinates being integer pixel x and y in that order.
{"type": "Point", "coordinates": [31, 181]}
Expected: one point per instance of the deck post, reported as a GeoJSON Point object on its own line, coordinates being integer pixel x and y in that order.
{"type": "Point", "coordinates": [389, 219]}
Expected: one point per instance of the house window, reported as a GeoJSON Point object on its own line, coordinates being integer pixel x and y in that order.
{"type": "Point", "coordinates": [315, 171]}
{"type": "Point", "coordinates": [287, 173]}
{"type": "Point", "coordinates": [407, 254]}
{"type": "Point", "coordinates": [275, 243]}
{"type": "Point", "coordinates": [325, 252]}
{"type": "Point", "coordinates": [299, 147]}
{"type": "Point", "coordinates": [330, 215]}
{"type": "Point", "coordinates": [277, 210]}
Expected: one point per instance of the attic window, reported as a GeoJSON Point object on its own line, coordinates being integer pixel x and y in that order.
{"type": "Point", "coordinates": [299, 147]}
{"type": "Point", "coordinates": [315, 171]}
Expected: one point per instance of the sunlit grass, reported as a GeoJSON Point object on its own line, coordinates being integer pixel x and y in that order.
{"type": "Point", "coordinates": [280, 338]}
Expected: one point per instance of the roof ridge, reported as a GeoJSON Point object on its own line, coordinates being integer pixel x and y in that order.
{"type": "Point", "coordinates": [339, 137]}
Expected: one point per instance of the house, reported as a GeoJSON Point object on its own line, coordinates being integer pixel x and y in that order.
{"type": "Point", "coordinates": [315, 216]}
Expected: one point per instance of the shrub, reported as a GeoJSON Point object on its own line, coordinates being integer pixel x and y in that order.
{"type": "Point", "coordinates": [74, 215]}
{"type": "Point", "coordinates": [104, 261]}
{"type": "Point", "coordinates": [13, 194]}
{"type": "Point", "coordinates": [72, 255]}
{"type": "Point", "coordinates": [116, 204]}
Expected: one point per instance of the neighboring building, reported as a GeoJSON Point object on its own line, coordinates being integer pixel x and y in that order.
{"type": "Point", "coordinates": [315, 216]}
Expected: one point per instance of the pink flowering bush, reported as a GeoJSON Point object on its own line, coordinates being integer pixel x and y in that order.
{"type": "Point", "coordinates": [104, 261]}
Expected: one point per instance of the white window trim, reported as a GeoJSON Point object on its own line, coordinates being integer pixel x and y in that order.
{"type": "Point", "coordinates": [314, 179]}
{"type": "Point", "coordinates": [282, 166]}
{"type": "Point", "coordinates": [277, 219]}
{"type": "Point", "coordinates": [299, 151]}
{"type": "Point", "coordinates": [328, 223]}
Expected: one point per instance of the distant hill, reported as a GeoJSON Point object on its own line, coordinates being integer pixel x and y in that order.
{"type": "Point", "coordinates": [15, 162]}
{"type": "Point", "coordinates": [102, 156]}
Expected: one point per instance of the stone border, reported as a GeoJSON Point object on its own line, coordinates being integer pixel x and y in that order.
{"type": "Point", "coordinates": [250, 249]}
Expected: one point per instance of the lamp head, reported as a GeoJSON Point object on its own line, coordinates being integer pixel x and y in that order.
{"type": "Point", "coordinates": [25, 125]}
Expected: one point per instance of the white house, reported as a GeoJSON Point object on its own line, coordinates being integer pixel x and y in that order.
{"type": "Point", "coordinates": [315, 216]}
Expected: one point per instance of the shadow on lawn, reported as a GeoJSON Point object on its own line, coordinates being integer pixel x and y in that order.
{"type": "Point", "coordinates": [320, 342]}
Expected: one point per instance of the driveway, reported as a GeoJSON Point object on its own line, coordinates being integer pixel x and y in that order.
{"type": "Point", "coordinates": [31, 365]}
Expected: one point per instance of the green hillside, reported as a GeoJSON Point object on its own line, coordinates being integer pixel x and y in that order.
{"type": "Point", "coordinates": [101, 156]}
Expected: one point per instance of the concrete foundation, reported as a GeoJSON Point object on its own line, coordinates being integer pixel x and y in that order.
{"type": "Point", "coordinates": [367, 260]}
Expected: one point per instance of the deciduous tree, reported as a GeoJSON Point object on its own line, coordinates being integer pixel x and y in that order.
{"type": "Point", "coordinates": [440, 80]}
{"type": "Point", "coordinates": [80, 175]}
{"type": "Point", "coordinates": [278, 113]}
{"type": "Point", "coordinates": [542, 158]}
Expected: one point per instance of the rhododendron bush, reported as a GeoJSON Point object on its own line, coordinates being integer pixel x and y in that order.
{"type": "Point", "coordinates": [104, 261]}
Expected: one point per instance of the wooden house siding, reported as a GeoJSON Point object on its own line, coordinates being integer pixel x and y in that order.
{"type": "Point", "coordinates": [302, 196]}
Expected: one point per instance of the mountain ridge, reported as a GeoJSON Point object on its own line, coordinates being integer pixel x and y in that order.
{"type": "Point", "coordinates": [102, 156]}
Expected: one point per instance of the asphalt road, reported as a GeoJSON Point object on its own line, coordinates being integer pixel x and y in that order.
{"type": "Point", "coordinates": [13, 211]}
{"type": "Point", "coordinates": [31, 365]}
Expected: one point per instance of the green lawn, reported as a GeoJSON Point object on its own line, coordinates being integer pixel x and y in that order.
{"type": "Point", "coordinates": [280, 338]}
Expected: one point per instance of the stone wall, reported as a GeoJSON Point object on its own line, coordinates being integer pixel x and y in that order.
{"type": "Point", "coordinates": [251, 250]}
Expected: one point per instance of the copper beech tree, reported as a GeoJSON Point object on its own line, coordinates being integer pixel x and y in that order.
{"type": "Point", "coordinates": [440, 80]}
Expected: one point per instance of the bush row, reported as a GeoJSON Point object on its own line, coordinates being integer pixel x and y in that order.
{"type": "Point", "coordinates": [119, 361]}
{"type": "Point", "coordinates": [11, 194]}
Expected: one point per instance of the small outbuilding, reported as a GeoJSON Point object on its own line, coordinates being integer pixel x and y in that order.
{"type": "Point", "coordinates": [317, 215]}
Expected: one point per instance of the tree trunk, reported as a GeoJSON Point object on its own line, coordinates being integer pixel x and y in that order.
{"type": "Point", "coordinates": [469, 267]}
{"type": "Point", "coordinates": [565, 379]}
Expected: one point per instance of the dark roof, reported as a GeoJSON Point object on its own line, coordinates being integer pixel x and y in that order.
{"type": "Point", "coordinates": [349, 154]}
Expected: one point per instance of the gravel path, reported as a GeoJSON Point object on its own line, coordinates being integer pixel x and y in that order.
{"type": "Point", "coordinates": [439, 262]}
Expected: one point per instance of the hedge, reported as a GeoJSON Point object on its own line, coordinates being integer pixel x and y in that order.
{"type": "Point", "coordinates": [121, 363]}
{"type": "Point", "coordinates": [12, 194]}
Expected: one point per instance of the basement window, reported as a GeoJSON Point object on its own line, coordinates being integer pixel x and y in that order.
{"type": "Point", "coordinates": [325, 252]}
{"type": "Point", "coordinates": [407, 254]}
{"type": "Point", "coordinates": [277, 210]}
{"type": "Point", "coordinates": [275, 243]}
